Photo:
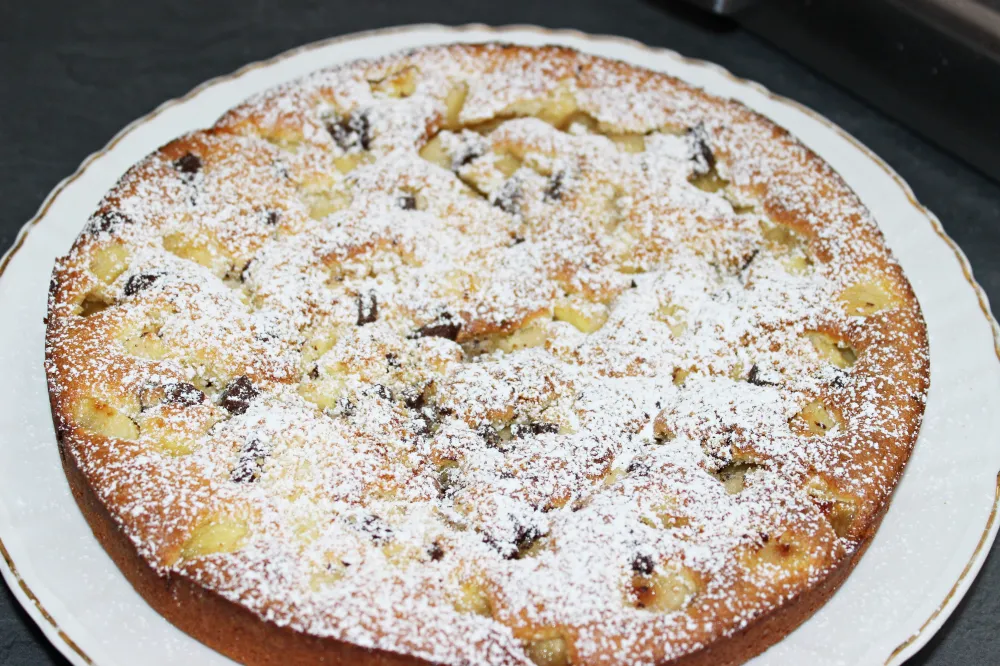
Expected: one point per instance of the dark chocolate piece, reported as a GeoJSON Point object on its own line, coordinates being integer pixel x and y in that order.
{"type": "Point", "coordinates": [189, 164]}
{"type": "Point", "coordinates": [238, 395]}
{"type": "Point", "coordinates": [140, 281]}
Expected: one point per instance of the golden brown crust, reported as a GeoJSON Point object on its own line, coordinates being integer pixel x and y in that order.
{"type": "Point", "coordinates": [220, 624]}
{"type": "Point", "coordinates": [243, 637]}
{"type": "Point", "coordinates": [185, 368]}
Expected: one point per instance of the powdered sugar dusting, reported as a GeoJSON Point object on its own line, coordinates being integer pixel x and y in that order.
{"type": "Point", "coordinates": [483, 354]}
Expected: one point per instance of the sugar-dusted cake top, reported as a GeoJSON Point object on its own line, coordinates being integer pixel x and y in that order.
{"type": "Point", "coordinates": [490, 354]}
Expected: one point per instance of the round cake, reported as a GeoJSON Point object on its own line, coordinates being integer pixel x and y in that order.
{"type": "Point", "coordinates": [484, 354]}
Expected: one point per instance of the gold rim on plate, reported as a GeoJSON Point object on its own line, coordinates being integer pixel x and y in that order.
{"type": "Point", "coordinates": [984, 539]}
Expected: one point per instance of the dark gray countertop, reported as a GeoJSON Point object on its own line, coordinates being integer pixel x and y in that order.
{"type": "Point", "coordinates": [73, 73]}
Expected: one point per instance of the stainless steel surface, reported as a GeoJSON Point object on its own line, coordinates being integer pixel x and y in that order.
{"type": "Point", "coordinates": [973, 22]}
{"type": "Point", "coordinates": [723, 6]}
{"type": "Point", "coordinates": [931, 64]}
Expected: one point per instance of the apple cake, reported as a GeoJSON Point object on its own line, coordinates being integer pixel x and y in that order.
{"type": "Point", "coordinates": [484, 354]}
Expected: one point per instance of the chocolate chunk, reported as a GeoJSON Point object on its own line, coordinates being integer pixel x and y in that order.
{"type": "Point", "coordinates": [638, 468]}
{"type": "Point", "coordinates": [173, 393]}
{"type": "Point", "coordinates": [643, 565]}
{"type": "Point", "coordinates": [435, 552]}
{"type": "Point", "coordinates": [272, 217]}
{"type": "Point", "coordinates": [490, 435]}
{"type": "Point", "coordinates": [254, 448]}
{"type": "Point", "coordinates": [234, 272]}
{"type": "Point", "coordinates": [184, 394]}
{"type": "Point", "coordinates": [245, 272]}
{"type": "Point", "coordinates": [107, 222]}
{"type": "Point", "coordinates": [314, 373]}
{"type": "Point", "coordinates": [633, 284]}
{"type": "Point", "coordinates": [243, 473]}
{"type": "Point", "coordinates": [238, 395]}
{"type": "Point", "coordinates": [444, 327]}
{"type": "Point", "coordinates": [341, 133]}
{"type": "Point", "coordinates": [381, 391]}
{"type": "Point", "coordinates": [351, 132]}
{"type": "Point", "coordinates": [469, 151]}
{"type": "Point", "coordinates": [362, 126]}
{"type": "Point", "coordinates": [422, 424]}
{"type": "Point", "coordinates": [376, 528]}
{"type": "Point", "coordinates": [407, 202]}
{"type": "Point", "coordinates": [754, 377]}
{"type": "Point", "coordinates": [140, 281]}
{"type": "Point", "coordinates": [508, 199]}
{"type": "Point", "coordinates": [188, 165]}
{"type": "Point", "coordinates": [556, 186]}
{"type": "Point", "coordinates": [345, 406]}
{"type": "Point", "coordinates": [749, 260]}
{"type": "Point", "coordinates": [517, 241]}
{"type": "Point", "coordinates": [367, 308]}
{"type": "Point", "coordinates": [702, 153]}
{"type": "Point", "coordinates": [496, 545]}
{"type": "Point", "coordinates": [839, 378]}
{"type": "Point", "coordinates": [392, 360]}
{"type": "Point", "coordinates": [412, 397]}
{"type": "Point", "coordinates": [525, 538]}
{"type": "Point", "coordinates": [524, 430]}
{"type": "Point", "coordinates": [251, 461]}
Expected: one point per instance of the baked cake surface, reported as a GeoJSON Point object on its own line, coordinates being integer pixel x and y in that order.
{"type": "Point", "coordinates": [484, 354]}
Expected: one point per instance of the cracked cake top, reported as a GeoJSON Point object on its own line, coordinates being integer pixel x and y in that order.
{"type": "Point", "coordinates": [487, 353]}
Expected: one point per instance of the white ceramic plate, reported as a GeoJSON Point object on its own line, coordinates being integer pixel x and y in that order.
{"type": "Point", "coordinates": [934, 538]}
